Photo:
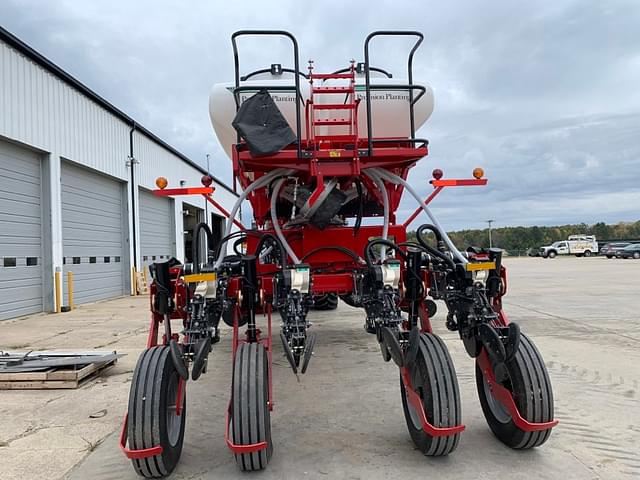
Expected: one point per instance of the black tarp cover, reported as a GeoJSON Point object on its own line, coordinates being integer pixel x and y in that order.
{"type": "Point", "coordinates": [262, 125]}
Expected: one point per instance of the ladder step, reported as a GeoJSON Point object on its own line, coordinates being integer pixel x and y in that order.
{"type": "Point", "coordinates": [327, 76]}
{"type": "Point", "coordinates": [332, 121]}
{"type": "Point", "coordinates": [336, 138]}
{"type": "Point", "coordinates": [334, 106]}
{"type": "Point", "coordinates": [332, 90]}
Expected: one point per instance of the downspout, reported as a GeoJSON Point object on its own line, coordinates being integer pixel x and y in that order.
{"type": "Point", "coordinates": [132, 162]}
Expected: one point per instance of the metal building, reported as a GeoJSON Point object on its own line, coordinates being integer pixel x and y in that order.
{"type": "Point", "coordinates": [76, 175]}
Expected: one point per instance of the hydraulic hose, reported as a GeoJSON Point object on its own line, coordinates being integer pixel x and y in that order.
{"type": "Point", "coordinates": [398, 180]}
{"type": "Point", "coordinates": [433, 251]}
{"type": "Point", "coordinates": [235, 234]}
{"type": "Point", "coordinates": [385, 205]}
{"type": "Point", "coordinates": [236, 244]}
{"type": "Point", "coordinates": [276, 240]}
{"type": "Point", "coordinates": [276, 225]}
{"type": "Point", "coordinates": [380, 241]}
{"type": "Point", "coordinates": [358, 223]}
{"type": "Point", "coordinates": [354, 256]}
{"type": "Point", "coordinates": [432, 228]}
{"type": "Point", "coordinates": [261, 182]}
{"type": "Point", "coordinates": [195, 245]}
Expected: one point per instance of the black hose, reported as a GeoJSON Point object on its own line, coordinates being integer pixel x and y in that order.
{"type": "Point", "coordinates": [356, 258]}
{"type": "Point", "coordinates": [216, 253]}
{"type": "Point", "coordinates": [429, 248]}
{"type": "Point", "coordinates": [381, 241]}
{"type": "Point", "coordinates": [195, 244]}
{"type": "Point", "coordinates": [276, 240]}
{"type": "Point", "coordinates": [356, 227]}
{"type": "Point", "coordinates": [432, 228]}
{"type": "Point", "coordinates": [236, 243]}
{"type": "Point", "coordinates": [396, 247]}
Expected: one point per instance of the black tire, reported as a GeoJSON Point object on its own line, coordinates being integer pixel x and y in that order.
{"type": "Point", "coordinates": [328, 301]}
{"type": "Point", "coordinates": [433, 376]}
{"type": "Point", "coordinates": [609, 257]}
{"type": "Point", "coordinates": [587, 253]}
{"type": "Point", "coordinates": [350, 300]}
{"type": "Point", "coordinates": [152, 417]}
{"type": "Point", "coordinates": [551, 254]}
{"type": "Point", "coordinates": [636, 255]}
{"type": "Point", "coordinates": [250, 416]}
{"type": "Point", "coordinates": [529, 382]}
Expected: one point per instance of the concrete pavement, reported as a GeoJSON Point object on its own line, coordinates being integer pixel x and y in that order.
{"type": "Point", "coordinates": [343, 419]}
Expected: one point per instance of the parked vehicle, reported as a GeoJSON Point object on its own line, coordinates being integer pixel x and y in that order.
{"type": "Point", "coordinates": [610, 250]}
{"type": "Point", "coordinates": [533, 252]}
{"type": "Point", "coordinates": [630, 251]}
{"type": "Point", "coordinates": [578, 245]}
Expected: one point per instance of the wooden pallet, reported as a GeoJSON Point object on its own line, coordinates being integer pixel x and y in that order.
{"type": "Point", "coordinates": [141, 282]}
{"type": "Point", "coordinates": [54, 378]}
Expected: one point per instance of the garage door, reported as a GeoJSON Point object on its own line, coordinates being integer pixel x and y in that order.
{"type": "Point", "coordinates": [157, 231]}
{"type": "Point", "coordinates": [92, 233]}
{"type": "Point", "coordinates": [20, 232]}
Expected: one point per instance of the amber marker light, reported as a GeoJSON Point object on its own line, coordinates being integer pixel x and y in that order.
{"type": "Point", "coordinates": [478, 173]}
{"type": "Point", "coordinates": [161, 183]}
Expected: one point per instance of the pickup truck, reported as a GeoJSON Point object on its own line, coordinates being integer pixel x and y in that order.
{"type": "Point", "coordinates": [578, 245]}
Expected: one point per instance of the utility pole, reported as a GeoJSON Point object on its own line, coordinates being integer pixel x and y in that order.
{"type": "Point", "coordinates": [490, 222]}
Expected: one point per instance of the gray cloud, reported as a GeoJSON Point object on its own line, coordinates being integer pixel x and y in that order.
{"type": "Point", "coordinates": [543, 95]}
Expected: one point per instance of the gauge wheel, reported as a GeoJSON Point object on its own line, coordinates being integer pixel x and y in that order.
{"type": "Point", "coordinates": [250, 416]}
{"type": "Point", "coordinates": [153, 418]}
{"type": "Point", "coordinates": [433, 377]}
{"type": "Point", "coordinates": [528, 380]}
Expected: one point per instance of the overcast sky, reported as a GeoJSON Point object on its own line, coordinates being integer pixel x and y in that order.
{"type": "Point", "coordinates": [544, 95]}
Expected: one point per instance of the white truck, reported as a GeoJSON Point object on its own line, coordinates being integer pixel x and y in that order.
{"type": "Point", "coordinates": [578, 245]}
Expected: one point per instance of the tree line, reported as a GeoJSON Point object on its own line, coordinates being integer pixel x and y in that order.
{"type": "Point", "coordinates": [517, 240]}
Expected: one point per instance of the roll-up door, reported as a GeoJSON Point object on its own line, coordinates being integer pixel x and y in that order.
{"type": "Point", "coordinates": [157, 228]}
{"type": "Point", "coordinates": [92, 233]}
{"type": "Point", "coordinates": [21, 256]}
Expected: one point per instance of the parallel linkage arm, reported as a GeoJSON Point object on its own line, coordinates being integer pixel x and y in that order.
{"type": "Point", "coordinates": [438, 185]}
{"type": "Point", "coordinates": [206, 192]}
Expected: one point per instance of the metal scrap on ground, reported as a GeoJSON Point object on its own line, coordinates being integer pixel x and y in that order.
{"type": "Point", "coordinates": [51, 369]}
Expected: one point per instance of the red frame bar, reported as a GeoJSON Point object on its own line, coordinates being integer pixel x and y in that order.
{"type": "Point", "coordinates": [464, 182]}
{"type": "Point", "coordinates": [167, 192]}
{"type": "Point", "coordinates": [425, 321]}
{"type": "Point", "coordinates": [415, 401]}
{"type": "Point", "coordinates": [417, 211]}
{"type": "Point", "coordinates": [137, 454]}
{"type": "Point", "coordinates": [439, 185]}
{"type": "Point", "coordinates": [223, 211]}
{"type": "Point", "coordinates": [152, 338]}
{"type": "Point", "coordinates": [182, 386]}
{"type": "Point", "coordinates": [205, 192]}
{"type": "Point", "coordinates": [505, 397]}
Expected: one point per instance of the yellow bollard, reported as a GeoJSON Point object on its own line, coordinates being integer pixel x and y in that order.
{"type": "Point", "coordinates": [144, 273]}
{"type": "Point", "coordinates": [134, 282]}
{"type": "Point", "coordinates": [58, 288]}
{"type": "Point", "coordinates": [70, 290]}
